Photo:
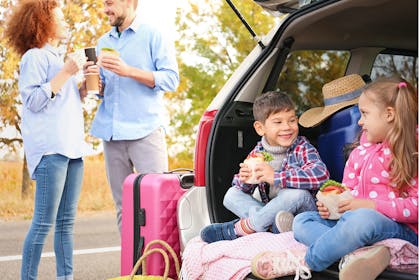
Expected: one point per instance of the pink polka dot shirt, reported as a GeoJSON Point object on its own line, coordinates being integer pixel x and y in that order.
{"type": "Point", "coordinates": [367, 174]}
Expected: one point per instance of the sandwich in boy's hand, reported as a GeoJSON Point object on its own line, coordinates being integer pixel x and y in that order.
{"type": "Point", "coordinates": [252, 160]}
{"type": "Point", "coordinates": [330, 194]}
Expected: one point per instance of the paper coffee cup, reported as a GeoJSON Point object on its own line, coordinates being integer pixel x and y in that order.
{"type": "Point", "coordinates": [92, 83]}
{"type": "Point", "coordinates": [90, 53]}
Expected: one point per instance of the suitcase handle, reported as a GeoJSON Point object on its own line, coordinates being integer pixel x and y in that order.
{"type": "Point", "coordinates": [186, 180]}
{"type": "Point", "coordinates": [177, 170]}
{"type": "Point", "coordinates": [186, 177]}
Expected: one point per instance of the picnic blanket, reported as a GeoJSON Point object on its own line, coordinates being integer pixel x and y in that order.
{"type": "Point", "coordinates": [231, 259]}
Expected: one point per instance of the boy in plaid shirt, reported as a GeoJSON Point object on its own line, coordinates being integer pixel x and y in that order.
{"type": "Point", "coordinates": [286, 181]}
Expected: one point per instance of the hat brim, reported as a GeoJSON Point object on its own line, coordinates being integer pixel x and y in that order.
{"type": "Point", "coordinates": [315, 116]}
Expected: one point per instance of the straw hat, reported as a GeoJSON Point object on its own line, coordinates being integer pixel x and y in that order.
{"type": "Point", "coordinates": [339, 93]}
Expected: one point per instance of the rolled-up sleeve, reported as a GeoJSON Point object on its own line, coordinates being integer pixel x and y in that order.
{"type": "Point", "coordinates": [33, 85]}
{"type": "Point", "coordinates": [166, 73]}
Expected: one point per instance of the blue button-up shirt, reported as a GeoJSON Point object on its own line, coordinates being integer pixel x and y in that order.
{"type": "Point", "coordinates": [129, 109]}
{"type": "Point", "coordinates": [49, 125]}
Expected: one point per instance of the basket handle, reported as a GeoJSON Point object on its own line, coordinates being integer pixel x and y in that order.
{"type": "Point", "coordinates": [142, 262]}
{"type": "Point", "coordinates": [170, 250]}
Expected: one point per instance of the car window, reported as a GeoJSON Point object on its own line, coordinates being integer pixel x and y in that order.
{"type": "Point", "coordinates": [305, 72]}
{"type": "Point", "coordinates": [388, 64]}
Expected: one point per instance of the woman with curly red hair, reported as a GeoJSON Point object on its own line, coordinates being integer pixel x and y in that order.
{"type": "Point", "coordinates": [52, 129]}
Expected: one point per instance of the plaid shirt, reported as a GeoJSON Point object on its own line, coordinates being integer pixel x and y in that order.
{"type": "Point", "coordinates": [302, 169]}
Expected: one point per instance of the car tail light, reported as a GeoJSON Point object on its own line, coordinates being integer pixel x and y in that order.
{"type": "Point", "coordinates": [204, 128]}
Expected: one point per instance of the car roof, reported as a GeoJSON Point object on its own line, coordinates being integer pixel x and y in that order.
{"type": "Point", "coordinates": [351, 24]}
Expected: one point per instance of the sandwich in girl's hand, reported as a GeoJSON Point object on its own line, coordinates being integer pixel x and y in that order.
{"type": "Point", "coordinates": [330, 194]}
{"type": "Point", "coordinates": [252, 161]}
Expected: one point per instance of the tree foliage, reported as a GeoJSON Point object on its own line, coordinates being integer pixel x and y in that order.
{"type": "Point", "coordinates": [212, 43]}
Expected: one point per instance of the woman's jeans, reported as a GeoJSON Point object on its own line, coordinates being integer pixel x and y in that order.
{"type": "Point", "coordinates": [329, 240]}
{"type": "Point", "coordinates": [261, 215]}
{"type": "Point", "coordinates": [58, 184]}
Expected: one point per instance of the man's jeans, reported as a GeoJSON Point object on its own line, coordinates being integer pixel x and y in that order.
{"type": "Point", "coordinates": [262, 215]}
{"type": "Point", "coordinates": [329, 240]}
{"type": "Point", "coordinates": [58, 184]}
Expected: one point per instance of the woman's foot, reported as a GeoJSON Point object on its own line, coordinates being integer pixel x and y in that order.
{"type": "Point", "coordinates": [364, 264]}
{"type": "Point", "coordinates": [268, 265]}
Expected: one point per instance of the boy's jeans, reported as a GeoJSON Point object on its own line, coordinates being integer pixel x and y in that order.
{"type": "Point", "coordinates": [262, 215]}
{"type": "Point", "coordinates": [329, 240]}
{"type": "Point", "coordinates": [58, 184]}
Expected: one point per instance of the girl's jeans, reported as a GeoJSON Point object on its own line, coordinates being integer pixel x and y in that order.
{"type": "Point", "coordinates": [58, 184]}
{"type": "Point", "coordinates": [329, 240]}
{"type": "Point", "coordinates": [261, 215]}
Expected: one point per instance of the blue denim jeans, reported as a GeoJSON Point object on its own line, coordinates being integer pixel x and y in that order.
{"type": "Point", "coordinates": [58, 184]}
{"type": "Point", "coordinates": [262, 215]}
{"type": "Point", "coordinates": [329, 240]}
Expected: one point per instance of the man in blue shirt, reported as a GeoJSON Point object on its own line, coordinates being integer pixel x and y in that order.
{"type": "Point", "coordinates": [130, 117]}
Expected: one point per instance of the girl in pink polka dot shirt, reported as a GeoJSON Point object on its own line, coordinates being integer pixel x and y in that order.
{"type": "Point", "coordinates": [382, 176]}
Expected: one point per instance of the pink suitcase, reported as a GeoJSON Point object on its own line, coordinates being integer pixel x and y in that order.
{"type": "Point", "coordinates": [149, 212]}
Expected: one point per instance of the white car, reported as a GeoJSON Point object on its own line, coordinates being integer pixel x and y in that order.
{"type": "Point", "coordinates": [366, 37]}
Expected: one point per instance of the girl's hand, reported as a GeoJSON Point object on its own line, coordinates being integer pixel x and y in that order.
{"type": "Point", "coordinates": [322, 210]}
{"type": "Point", "coordinates": [265, 173]}
{"type": "Point", "coordinates": [244, 172]}
{"type": "Point", "coordinates": [353, 204]}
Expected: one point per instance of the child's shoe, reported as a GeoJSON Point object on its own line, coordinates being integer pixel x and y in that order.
{"type": "Point", "coordinates": [219, 231]}
{"type": "Point", "coordinates": [283, 222]}
{"type": "Point", "coordinates": [364, 264]}
{"type": "Point", "coordinates": [268, 265]}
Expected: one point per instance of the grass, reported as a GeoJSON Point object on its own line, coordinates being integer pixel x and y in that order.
{"type": "Point", "coordinates": [95, 195]}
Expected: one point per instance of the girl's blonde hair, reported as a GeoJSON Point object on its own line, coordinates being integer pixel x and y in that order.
{"type": "Point", "coordinates": [402, 138]}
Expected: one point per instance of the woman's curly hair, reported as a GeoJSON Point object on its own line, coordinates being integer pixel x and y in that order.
{"type": "Point", "coordinates": [31, 24]}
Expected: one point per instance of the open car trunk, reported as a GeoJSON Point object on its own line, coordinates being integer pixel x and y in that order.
{"type": "Point", "coordinates": [362, 28]}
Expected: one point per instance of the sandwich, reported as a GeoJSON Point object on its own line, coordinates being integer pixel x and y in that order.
{"type": "Point", "coordinates": [330, 194]}
{"type": "Point", "coordinates": [252, 160]}
{"type": "Point", "coordinates": [109, 51]}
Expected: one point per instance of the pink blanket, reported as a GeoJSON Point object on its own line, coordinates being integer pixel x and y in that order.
{"type": "Point", "coordinates": [231, 259]}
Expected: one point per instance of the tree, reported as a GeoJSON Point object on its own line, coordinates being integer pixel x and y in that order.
{"type": "Point", "coordinates": [305, 72]}
{"type": "Point", "coordinates": [213, 42]}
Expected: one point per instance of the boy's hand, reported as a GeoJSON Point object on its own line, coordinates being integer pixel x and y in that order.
{"type": "Point", "coordinates": [265, 173]}
{"type": "Point", "coordinates": [244, 172]}
{"type": "Point", "coordinates": [322, 210]}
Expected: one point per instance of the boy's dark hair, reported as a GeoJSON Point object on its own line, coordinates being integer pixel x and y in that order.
{"type": "Point", "coordinates": [271, 102]}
